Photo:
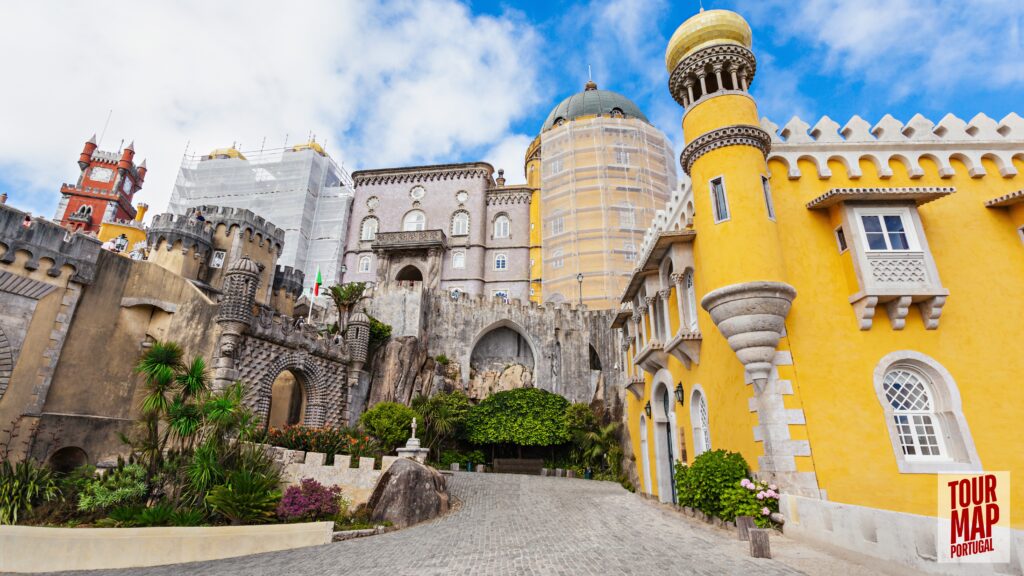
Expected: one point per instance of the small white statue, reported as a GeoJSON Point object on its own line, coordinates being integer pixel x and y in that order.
{"type": "Point", "coordinates": [414, 427]}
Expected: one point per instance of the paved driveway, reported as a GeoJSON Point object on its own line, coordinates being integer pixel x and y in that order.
{"type": "Point", "coordinates": [509, 524]}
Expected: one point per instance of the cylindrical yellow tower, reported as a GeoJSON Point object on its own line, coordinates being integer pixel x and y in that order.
{"type": "Point", "coordinates": [711, 68]}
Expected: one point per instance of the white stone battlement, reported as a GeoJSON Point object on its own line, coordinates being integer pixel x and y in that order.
{"type": "Point", "coordinates": [969, 143]}
{"type": "Point", "coordinates": [356, 483]}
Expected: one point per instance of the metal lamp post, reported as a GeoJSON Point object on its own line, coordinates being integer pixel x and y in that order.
{"type": "Point", "coordinates": [579, 280]}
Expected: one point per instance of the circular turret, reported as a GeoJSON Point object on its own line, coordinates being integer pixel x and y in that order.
{"type": "Point", "coordinates": [708, 28]}
{"type": "Point", "coordinates": [357, 336]}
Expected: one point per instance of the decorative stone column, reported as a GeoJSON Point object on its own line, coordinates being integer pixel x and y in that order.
{"type": "Point", "coordinates": [234, 317]}
{"type": "Point", "coordinates": [752, 317]}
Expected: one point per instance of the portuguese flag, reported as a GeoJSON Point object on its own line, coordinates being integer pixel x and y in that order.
{"type": "Point", "coordinates": [319, 282]}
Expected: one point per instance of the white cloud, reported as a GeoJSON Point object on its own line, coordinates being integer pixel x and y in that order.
{"type": "Point", "coordinates": [510, 155]}
{"type": "Point", "coordinates": [383, 83]}
{"type": "Point", "coordinates": [906, 48]}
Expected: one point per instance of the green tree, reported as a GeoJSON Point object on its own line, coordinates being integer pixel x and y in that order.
{"type": "Point", "coordinates": [389, 422]}
{"type": "Point", "coordinates": [524, 417]}
{"type": "Point", "coordinates": [443, 416]}
{"type": "Point", "coordinates": [379, 332]}
{"type": "Point", "coordinates": [345, 297]}
{"type": "Point", "coordinates": [601, 449]}
{"type": "Point", "coordinates": [702, 484]}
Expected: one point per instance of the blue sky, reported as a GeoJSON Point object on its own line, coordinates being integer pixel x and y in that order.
{"type": "Point", "coordinates": [409, 82]}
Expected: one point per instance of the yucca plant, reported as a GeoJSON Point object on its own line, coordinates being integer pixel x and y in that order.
{"type": "Point", "coordinates": [248, 497]}
{"type": "Point", "coordinates": [22, 486]}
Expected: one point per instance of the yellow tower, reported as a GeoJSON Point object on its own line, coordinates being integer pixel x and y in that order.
{"type": "Point", "coordinates": [532, 169]}
{"type": "Point", "coordinates": [711, 68]}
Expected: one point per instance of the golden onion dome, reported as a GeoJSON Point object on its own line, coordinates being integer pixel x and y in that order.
{"type": "Point", "coordinates": [311, 145]}
{"type": "Point", "coordinates": [222, 153]}
{"type": "Point", "coordinates": [705, 29]}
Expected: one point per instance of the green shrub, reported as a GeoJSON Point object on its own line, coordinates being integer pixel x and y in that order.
{"type": "Point", "coordinates": [122, 517]}
{"type": "Point", "coordinates": [329, 440]}
{"type": "Point", "coordinates": [379, 332]}
{"type": "Point", "coordinates": [579, 419]}
{"type": "Point", "coordinates": [443, 416]}
{"type": "Point", "coordinates": [449, 457]}
{"type": "Point", "coordinates": [390, 423]}
{"type": "Point", "coordinates": [702, 484]}
{"type": "Point", "coordinates": [442, 359]}
{"type": "Point", "coordinates": [120, 486]}
{"type": "Point", "coordinates": [188, 517]}
{"type": "Point", "coordinates": [159, 514]}
{"type": "Point", "coordinates": [751, 498]}
{"type": "Point", "coordinates": [523, 416]}
{"type": "Point", "coordinates": [22, 486]}
{"type": "Point", "coordinates": [246, 498]}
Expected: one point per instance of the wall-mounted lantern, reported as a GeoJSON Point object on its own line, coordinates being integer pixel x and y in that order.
{"type": "Point", "coordinates": [647, 408]}
{"type": "Point", "coordinates": [680, 395]}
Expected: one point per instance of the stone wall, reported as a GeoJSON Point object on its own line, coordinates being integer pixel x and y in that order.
{"type": "Point", "coordinates": [356, 483]}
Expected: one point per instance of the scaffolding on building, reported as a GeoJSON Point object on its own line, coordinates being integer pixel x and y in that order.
{"type": "Point", "coordinates": [300, 189]}
{"type": "Point", "coordinates": [602, 182]}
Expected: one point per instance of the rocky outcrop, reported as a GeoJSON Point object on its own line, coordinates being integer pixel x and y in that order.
{"type": "Point", "coordinates": [402, 370]}
{"type": "Point", "coordinates": [409, 493]}
{"type": "Point", "coordinates": [483, 383]}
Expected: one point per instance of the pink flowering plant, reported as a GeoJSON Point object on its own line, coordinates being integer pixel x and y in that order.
{"type": "Point", "coordinates": [311, 501]}
{"type": "Point", "coordinates": [751, 497]}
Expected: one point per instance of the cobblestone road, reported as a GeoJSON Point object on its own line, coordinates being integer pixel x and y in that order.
{"type": "Point", "coordinates": [510, 524]}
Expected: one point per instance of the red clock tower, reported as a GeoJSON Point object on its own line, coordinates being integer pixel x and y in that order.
{"type": "Point", "coordinates": [104, 190]}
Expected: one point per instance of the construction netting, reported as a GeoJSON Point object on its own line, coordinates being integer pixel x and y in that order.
{"type": "Point", "coordinates": [299, 189]}
{"type": "Point", "coordinates": [602, 181]}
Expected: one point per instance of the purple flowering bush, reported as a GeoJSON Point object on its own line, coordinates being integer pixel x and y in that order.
{"type": "Point", "coordinates": [311, 501]}
{"type": "Point", "coordinates": [751, 498]}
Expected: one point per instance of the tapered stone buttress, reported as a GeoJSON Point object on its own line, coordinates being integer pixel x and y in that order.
{"type": "Point", "coordinates": [752, 317]}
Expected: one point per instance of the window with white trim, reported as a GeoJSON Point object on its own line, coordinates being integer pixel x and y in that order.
{"type": "Point", "coordinates": [557, 259]}
{"type": "Point", "coordinates": [701, 423]}
{"type": "Point", "coordinates": [630, 249]}
{"type": "Point", "coordinates": [557, 225]}
{"type": "Point", "coordinates": [917, 425]}
{"type": "Point", "coordinates": [627, 215]}
{"type": "Point", "coordinates": [459, 259]}
{"type": "Point", "coordinates": [414, 220]}
{"type": "Point", "coordinates": [501, 262]}
{"type": "Point", "coordinates": [370, 227]}
{"type": "Point", "coordinates": [768, 204]}
{"type": "Point", "coordinates": [887, 230]}
{"type": "Point", "coordinates": [691, 301]}
{"type": "Point", "coordinates": [621, 156]}
{"type": "Point", "coordinates": [460, 223]}
{"type": "Point", "coordinates": [364, 264]}
{"type": "Point", "coordinates": [719, 201]}
{"type": "Point", "coordinates": [502, 226]}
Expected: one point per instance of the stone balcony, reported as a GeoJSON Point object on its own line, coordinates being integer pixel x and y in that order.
{"type": "Point", "coordinates": [685, 346]}
{"type": "Point", "coordinates": [652, 357]}
{"type": "Point", "coordinates": [636, 385]}
{"type": "Point", "coordinates": [410, 240]}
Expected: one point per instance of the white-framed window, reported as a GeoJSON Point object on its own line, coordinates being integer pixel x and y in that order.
{"type": "Point", "coordinates": [369, 231]}
{"type": "Point", "coordinates": [459, 259]}
{"type": "Point", "coordinates": [841, 240]}
{"type": "Point", "coordinates": [500, 262]}
{"type": "Point", "coordinates": [917, 425]}
{"type": "Point", "coordinates": [414, 220]}
{"type": "Point", "coordinates": [621, 156]}
{"type": "Point", "coordinates": [502, 226]}
{"type": "Point", "coordinates": [557, 225]}
{"type": "Point", "coordinates": [691, 300]}
{"type": "Point", "coordinates": [217, 260]}
{"type": "Point", "coordinates": [700, 421]}
{"type": "Point", "coordinates": [532, 291]}
{"type": "Point", "coordinates": [460, 223]}
{"type": "Point", "coordinates": [719, 201]}
{"type": "Point", "coordinates": [364, 264]}
{"type": "Point", "coordinates": [557, 259]}
{"type": "Point", "coordinates": [887, 229]}
{"type": "Point", "coordinates": [768, 203]}
{"type": "Point", "coordinates": [924, 416]}
{"type": "Point", "coordinates": [627, 215]}
{"type": "Point", "coordinates": [555, 165]}
{"type": "Point", "coordinates": [630, 249]}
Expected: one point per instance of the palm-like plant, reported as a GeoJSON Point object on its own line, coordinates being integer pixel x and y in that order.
{"type": "Point", "coordinates": [443, 415]}
{"type": "Point", "coordinates": [346, 296]}
{"type": "Point", "coordinates": [601, 447]}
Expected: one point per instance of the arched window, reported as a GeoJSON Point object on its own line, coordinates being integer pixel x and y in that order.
{"type": "Point", "coordinates": [557, 258]}
{"type": "Point", "coordinates": [459, 259]}
{"type": "Point", "coordinates": [364, 264]}
{"type": "Point", "coordinates": [460, 223]}
{"type": "Point", "coordinates": [920, 434]}
{"type": "Point", "coordinates": [923, 414]}
{"type": "Point", "coordinates": [502, 227]}
{"type": "Point", "coordinates": [691, 301]}
{"type": "Point", "coordinates": [370, 227]}
{"type": "Point", "coordinates": [699, 420]}
{"type": "Point", "coordinates": [414, 220]}
{"type": "Point", "coordinates": [501, 262]}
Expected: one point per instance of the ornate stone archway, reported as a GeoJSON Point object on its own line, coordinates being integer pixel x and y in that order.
{"type": "Point", "coordinates": [309, 375]}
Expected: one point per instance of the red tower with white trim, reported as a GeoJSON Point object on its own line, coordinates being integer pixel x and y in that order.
{"type": "Point", "coordinates": [104, 190]}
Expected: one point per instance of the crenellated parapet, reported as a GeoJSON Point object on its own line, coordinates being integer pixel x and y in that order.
{"type": "Point", "coordinates": [295, 333]}
{"type": "Point", "coordinates": [42, 239]}
{"type": "Point", "coordinates": [247, 224]}
{"type": "Point", "coordinates": [170, 229]}
{"type": "Point", "coordinates": [288, 279]}
{"type": "Point", "coordinates": [981, 138]}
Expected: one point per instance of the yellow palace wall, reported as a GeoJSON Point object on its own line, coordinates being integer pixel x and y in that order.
{"type": "Point", "coordinates": [980, 260]}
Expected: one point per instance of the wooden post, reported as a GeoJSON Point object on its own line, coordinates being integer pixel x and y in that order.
{"type": "Point", "coordinates": [743, 526]}
{"type": "Point", "coordinates": [759, 544]}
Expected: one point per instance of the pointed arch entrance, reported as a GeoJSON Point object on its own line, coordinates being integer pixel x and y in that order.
{"type": "Point", "coordinates": [666, 437]}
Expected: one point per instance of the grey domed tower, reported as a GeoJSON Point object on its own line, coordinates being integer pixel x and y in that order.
{"type": "Point", "coordinates": [235, 315]}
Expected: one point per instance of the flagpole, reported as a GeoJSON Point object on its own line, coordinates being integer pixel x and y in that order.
{"type": "Point", "coordinates": [309, 316]}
